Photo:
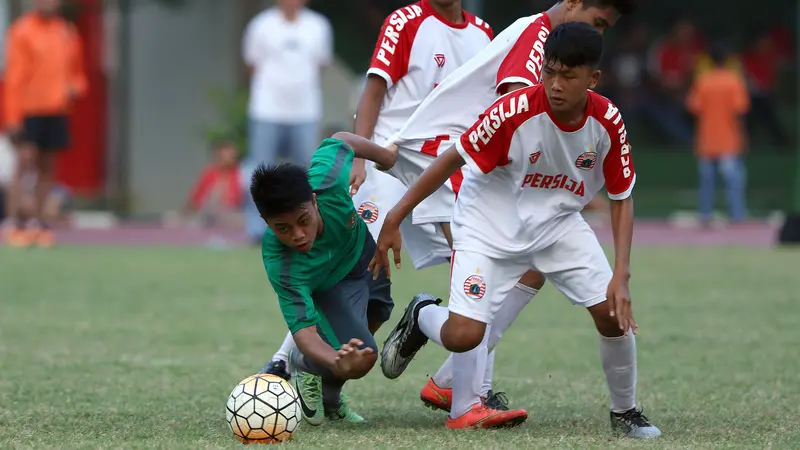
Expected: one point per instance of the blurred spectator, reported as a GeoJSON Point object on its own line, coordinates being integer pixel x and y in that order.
{"type": "Point", "coordinates": [217, 198]}
{"type": "Point", "coordinates": [628, 82]}
{"type": "Point", "coordinates": [44, 75]}
{"type": "Point", "coordinates": [762, 63]}
{"type": "Point", "coordinates": [286, 47]}
{"type": "Point", "coordinates": [718, 98]}
{"type": "Point", "coordinates": [672, 64]}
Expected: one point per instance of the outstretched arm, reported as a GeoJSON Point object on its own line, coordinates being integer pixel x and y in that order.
{"type": "Point", "coordinates": [366, 149]}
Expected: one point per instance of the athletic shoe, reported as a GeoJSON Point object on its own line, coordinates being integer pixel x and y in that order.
{"type": "Point", "coordinates": [633, 423]}
{"type": "Point", "coordinates": [308, 388]}
{"type": "Point", "coordinates": [406, 339]}
{"type": "Point", "coordinates": [481, 416]}
{"type": "Point", "coordinates": [344, 414]}
{"type": "Point", "coordinates": [497, 400]}
{"type": "Point", "coordinates": [276, 367]}
{"type": "Point", "coordinates": [436, 397]}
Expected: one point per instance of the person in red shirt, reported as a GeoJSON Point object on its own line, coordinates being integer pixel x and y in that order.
{"type": "Point", "coordinates": [762, 63]}
{"type": "Point", "coordinates": [217, 197]}
{"type": "Point", "coordinates": [44, 76]}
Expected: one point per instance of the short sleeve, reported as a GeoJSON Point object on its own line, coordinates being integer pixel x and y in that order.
{"type": "Point", "coordinates": [618, 170]}
{"type": "Point", "coordinates": [390, 59]}
{"type": "Point", "coordinates": [330, 166]}
{"type": "Point", "coordinates": [294, 298]}
{"type": "Point", "coordinates": [523, 64]}
{"type": "Point", "coordinates": [486, 144]}
{"type": "Point", "coordinates": [251, 45]}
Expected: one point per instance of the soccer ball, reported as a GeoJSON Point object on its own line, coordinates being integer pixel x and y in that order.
{"type": "Point", "coordinates": [263, 409]}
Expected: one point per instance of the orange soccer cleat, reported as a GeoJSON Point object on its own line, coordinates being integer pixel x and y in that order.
{"type": "Point", "coordinates": [436, 397]}
{"type": "Point", "coordinates": [480, 416]}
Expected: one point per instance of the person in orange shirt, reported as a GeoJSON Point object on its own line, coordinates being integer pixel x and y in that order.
{"type": "Point", "coordinates": [719, 100]}
{"type": "Point", "coordinates": [44, 76]}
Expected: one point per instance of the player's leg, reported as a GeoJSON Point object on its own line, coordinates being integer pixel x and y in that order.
{"type": "Point", "coordinates": [14, 229]}
{"type": "Point", "coordinates": [475, 281]}
{"type": "Point", "coordinates": [734, 175]}
{"type": "Point", "coordinates": [578, 267]}
{"type": "Point", "coordinates": [277, 365]}
{"type": "Point", "coordinates": [706, 191]}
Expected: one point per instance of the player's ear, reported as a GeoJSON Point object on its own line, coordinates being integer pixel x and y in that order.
{"type": "Point", "coordinates": [573, 4]}
{"type": "Point", "coordinates": [595, 78]}
{"type": "Point", "coordinates": [314, 200]}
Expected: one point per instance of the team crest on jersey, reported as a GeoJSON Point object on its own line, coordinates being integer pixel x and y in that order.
{"type": "Point", "coordinates": [368, 211]}
{"type": "Point", "coordinates": [440, 59]}
{"type": "Point", "coordinates": [534, 157]}
{"type": "Point", "coordinates": [586, 161]}
{"type": "Point", "coordinates": [474, 287]}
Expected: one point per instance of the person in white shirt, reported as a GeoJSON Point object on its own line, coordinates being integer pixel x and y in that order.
{"type": "Point", "coordinates": [537, 156]}
{"type": "Point", "coordinates": [286, 47]}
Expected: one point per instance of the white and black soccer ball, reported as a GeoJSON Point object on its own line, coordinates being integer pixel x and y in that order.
{"type": "Point", "coordinates": [263, 409]}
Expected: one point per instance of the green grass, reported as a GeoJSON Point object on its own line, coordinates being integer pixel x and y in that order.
{"type": "Point", "coordinates": [118, 347]}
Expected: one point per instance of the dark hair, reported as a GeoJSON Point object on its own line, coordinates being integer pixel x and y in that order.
{"type": "Point", "coordinates": [278, 189]}
{"type": "Point", "coordinates": [574, 44]}
{"type": "Point", "coordinates": [623, 7]}
{"type": "Point", "coordinates": [719, 53]}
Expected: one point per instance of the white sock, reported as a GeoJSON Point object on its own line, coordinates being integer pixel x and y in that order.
{"type": "Point", "coordinates": [283, 353]}
{"type": "Point", "coordinates": [618, 355]}
{"type": "Point", "coordinates": [431, 320]}
{"type": "Point", "coordinates": [488, 374]}
{"type": "Point", "coordinates": [512, 306]}
{"type": "Point", "coordinates": [444, 377]}
{"type": "Point", "coordinates": [468, 370]}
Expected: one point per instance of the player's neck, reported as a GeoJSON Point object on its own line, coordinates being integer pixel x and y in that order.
{"type": "Point", "coordinates": [573, 117]}
{"type": "Point", "coordinates": [290, 14]}
{"type": "Point", "coordinates": [321, 224]}
{"type": "Point", "coordinates": [453, 14]}
{"type": "Point", "coordinates": [557, 14]}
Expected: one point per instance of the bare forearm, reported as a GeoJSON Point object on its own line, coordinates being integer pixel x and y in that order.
{"type": "Point", "coordinates": [622, 227]}
{"type": "Point", "coordinates": [313, 347]}
{"type": "Point", "coordinates": [366, 149]}
{"type": "Point", "coordinates": [369, 107]}
{"type": "Point", "coordinates": [431, 179]}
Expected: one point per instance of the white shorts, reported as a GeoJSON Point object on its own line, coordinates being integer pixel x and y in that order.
{"type": "Point", "coordinates": [575, 264]}
{"type": "Point", "coordinates": [425, 243]}
{"type": "Point", "coordinates": [437, 208]}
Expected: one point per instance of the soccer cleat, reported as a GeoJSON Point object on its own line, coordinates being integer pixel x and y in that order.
{"type": "Point", "coordinates": [344, 414]}
{"type": "Point", "coordinates": [496, 400]}
{"type": "Point", "coordinates": [18, 238]}
{"type": "Point", "coordinates": [308, 388]}
{"type": "Point", "coordinates": [43, 238]}
{"type": "Point", "coordinates": [633, 423]}
{"type": "Point", "coordinates": [481, 416]}
{"type": "Point", "coordinates": [276, 367]}
{"type": "Point", "coordinates": [406, 339]}
{"type": "Point", "coordinates": [436, 397]}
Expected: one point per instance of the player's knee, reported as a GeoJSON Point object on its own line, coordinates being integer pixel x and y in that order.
{"type": "Point", "coordinates": [606, 324]}
{"type": "Point", "coordinates": [461, 334]}
{"type": "Point", "coordinates": [533, 279]}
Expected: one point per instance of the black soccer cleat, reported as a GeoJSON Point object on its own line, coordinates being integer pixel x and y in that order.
{"type": "Point", "coordinates": [497, 401]}
{"type": "Point", "coordinates": [406, 339]}
{"type": "Point", "coordinates": [633, 423]}
{"type": "Point", "coordinates": [278, 368]}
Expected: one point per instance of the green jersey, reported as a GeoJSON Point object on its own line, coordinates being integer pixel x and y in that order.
{"type": "Point", "coordinates": [296, 276]}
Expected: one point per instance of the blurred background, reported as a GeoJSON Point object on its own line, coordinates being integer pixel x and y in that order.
{"type": "Point", "coordinates": [165, 112]}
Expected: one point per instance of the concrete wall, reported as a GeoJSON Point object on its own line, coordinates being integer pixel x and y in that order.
{"type": "Point", "coordinates": [168, 103]}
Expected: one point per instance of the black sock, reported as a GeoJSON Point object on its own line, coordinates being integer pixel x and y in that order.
{"type": "Point", "coordinates": [332, 395]}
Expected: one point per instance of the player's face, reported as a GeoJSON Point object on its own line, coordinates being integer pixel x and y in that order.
{"type": "Point", "coordinates": [566, 86]}
{"type": "Point", "coordinates": [297, 229]}
{"type": "Point", "coordinates": [47, 6]}
{"type": "Point", "coordinates": [446, 3]}
{"type": "Point", "coordinates": [600, 18]}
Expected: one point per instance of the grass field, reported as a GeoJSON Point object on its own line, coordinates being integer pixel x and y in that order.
{"type": "Point", "coordinates": [122, 347]}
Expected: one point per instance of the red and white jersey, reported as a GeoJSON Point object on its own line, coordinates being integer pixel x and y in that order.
{"type": "Point", "coordinates": [514, 56]}
{"type": "Point", "coordinates": [417, 49]}
{"type": "Point", "coordinates": [531, 175]}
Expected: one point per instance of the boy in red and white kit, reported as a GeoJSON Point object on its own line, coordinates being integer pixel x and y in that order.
{"type": "Point", "coordinates": [418, 47]}
{"type": "Point", "coordinates": [537, 156]}
{"type": "Point", "coordinates": [511, 62]}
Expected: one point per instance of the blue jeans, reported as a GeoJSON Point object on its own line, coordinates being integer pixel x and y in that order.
{"type": "Point", "coordinates": [267, 143]}
{"type": "Point", "coordinates": [734, 176]}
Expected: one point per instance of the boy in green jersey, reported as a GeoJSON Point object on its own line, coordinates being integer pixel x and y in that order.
{"type": "Point", "coordinates": [316, 251]}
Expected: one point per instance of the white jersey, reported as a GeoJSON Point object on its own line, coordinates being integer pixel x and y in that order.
{"type": "Point", "coordinates": [417, 49]}
{"type": "Point", "coordinates": [514, 56]}
{"type": "Point", "coordinates": [531, 175]}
